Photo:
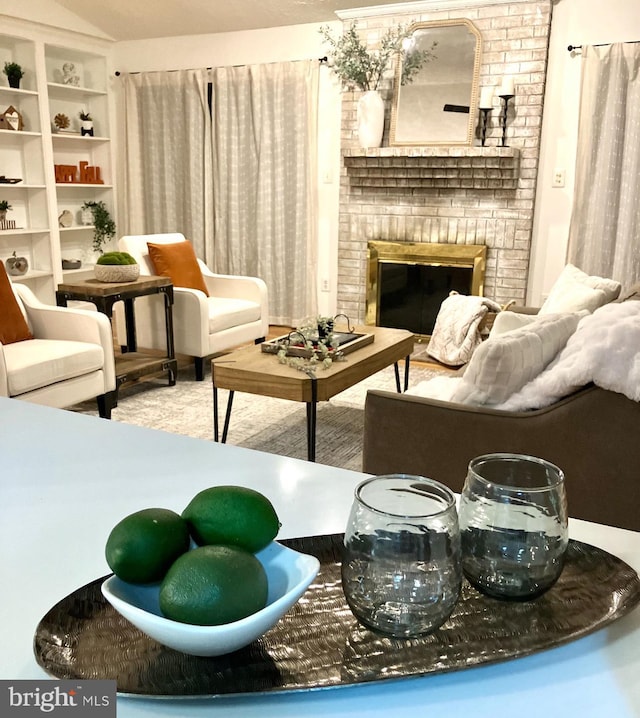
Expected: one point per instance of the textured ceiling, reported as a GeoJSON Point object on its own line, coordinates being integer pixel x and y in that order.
{"type": "Point", "coordinates": [142, 19]}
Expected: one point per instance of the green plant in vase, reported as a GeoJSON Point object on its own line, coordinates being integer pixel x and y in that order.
{"type": "Point", "coordinates": [14, 73]}
{"type": "Point", "coordinates": [361, 68]}
{"type": "Point", "coordinates": [104, 228]}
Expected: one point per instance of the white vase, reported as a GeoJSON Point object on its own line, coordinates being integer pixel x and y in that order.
{"type": "Point", "coordinates": [370, 119]}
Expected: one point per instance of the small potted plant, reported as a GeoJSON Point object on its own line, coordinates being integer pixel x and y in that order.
{"type": "Point", "coordinates": [86, 123]}
{"type": "Point", "coordinates": [116, 267]}
{"type": "Point", "coordinates": [104, 228]}
{"type": "Point", "coordinates": [14, 73]}
{"type": "Point", "coordinates": [4, 208]}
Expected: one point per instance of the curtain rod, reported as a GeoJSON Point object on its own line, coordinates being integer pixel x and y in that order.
{"type": "Point", "coordinates": [117, 73]}
{"type": "Point", "coordinates": [570, 48]}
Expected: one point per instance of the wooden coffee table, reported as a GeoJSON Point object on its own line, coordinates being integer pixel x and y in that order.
{"type": "Point", "coordinates": [253, 371]}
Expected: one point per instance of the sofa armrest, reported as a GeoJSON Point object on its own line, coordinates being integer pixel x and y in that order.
{"type": "Point", "coordinates": [522, 309]}
{"type": "Point", "coordinates": [67, 324]}
{"type": "Point", "coordinates": [590, 435]}
{"type": "Point", "coordinates": [233, 286]}
{"type": "Point", "coordinates": [4, 383]}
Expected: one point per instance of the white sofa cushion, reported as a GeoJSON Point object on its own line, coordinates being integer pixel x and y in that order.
{"type": "Point", "coordinates": [575, 290]}
{"type": "Point", "coordinates": [37, 363]}
{"type": "Point", "coordinates": [225, 313]}
{"type": "Point", "coordinates": [502, 365]}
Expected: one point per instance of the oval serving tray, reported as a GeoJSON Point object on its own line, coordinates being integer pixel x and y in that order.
{"type": "Point", "coordinates": [319, 644]}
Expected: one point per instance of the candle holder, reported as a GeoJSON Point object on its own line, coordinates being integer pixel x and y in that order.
{"type": "Point", "coordinates": [505, 108]}
{"type": "Point", "coordinates": [483, 124]}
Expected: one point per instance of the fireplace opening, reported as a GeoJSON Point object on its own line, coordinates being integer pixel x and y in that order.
{"type": "Point", "coordinates": [408, 281]}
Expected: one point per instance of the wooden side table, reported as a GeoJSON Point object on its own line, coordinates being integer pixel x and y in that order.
{"type": "Point", "coordinates": [132, 364]}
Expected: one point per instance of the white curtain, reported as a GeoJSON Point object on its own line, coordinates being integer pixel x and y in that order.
{"type": "Point", "coordinates": [264, 180]}
{"type": "Point", "coordinates": [605, 223]}
{"type": "Point", "coordinates": [167, 149]}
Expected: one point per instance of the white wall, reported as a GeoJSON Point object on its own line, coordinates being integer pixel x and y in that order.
{"type": "Point", "coordinates": [575, 22]}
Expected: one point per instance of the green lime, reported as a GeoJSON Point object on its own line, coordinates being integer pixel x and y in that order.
{"type": "Point", "coordinates": [142, 546]}
{"type": "Point", "coordinates": [233, 516]}
{"type": "Point", "coordinates": [211, 585]}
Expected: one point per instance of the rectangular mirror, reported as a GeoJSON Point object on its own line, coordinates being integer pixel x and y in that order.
{"type": "Point", "coordinates": [437, 104]}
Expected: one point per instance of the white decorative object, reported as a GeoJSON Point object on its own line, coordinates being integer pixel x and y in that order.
{"type": "Point", "coordinates": [65, 219]}
{"type": "Point", "coordinates": [370, 119]}
{"type": "Point", "coordinates": [69, 76]}
{"type": "Point", "coordinates": [289, 574]}
{"type": "Point", "coordinates": [486, 98]}
{"type": "Point", "coordinates": [86, 216]}
{"type": "Point", "coordinates": [508, 87]}
{"type": "Point", "coordinates": [116, 272]}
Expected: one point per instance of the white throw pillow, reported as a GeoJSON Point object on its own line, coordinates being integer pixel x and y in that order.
{"type": "Point", "coordinates": [575, 290]}
{"type": "Point", "coordinates": [504, 364]}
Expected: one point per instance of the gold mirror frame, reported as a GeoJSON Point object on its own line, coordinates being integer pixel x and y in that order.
{"type": "Point", "coordinates": [447, 55]}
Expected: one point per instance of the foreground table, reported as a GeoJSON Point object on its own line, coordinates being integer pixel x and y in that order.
{"type": "Point", "coordinates": [251, 370]}
{"type": "Point", "coordinates": [67, 479]}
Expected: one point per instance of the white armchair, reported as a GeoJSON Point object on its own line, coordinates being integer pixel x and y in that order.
{"type": "Point", "coordinates": [69, 360]}
{"type": "Point", "coordinates": [235, 312]}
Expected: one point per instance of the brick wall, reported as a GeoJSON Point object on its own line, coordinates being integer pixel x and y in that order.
{"type": "Point", "coordinates": [451, 194]}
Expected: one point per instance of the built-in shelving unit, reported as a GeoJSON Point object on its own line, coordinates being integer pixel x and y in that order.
{"type": "Point", "coordinates": [37, 200]}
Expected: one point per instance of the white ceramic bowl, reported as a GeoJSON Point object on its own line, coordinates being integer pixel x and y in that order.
{"type": "Point", "coordinates": [289, 574]}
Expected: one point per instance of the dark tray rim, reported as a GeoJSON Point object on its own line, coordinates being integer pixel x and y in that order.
{"type": "Point", "coordinates": [621, 609]}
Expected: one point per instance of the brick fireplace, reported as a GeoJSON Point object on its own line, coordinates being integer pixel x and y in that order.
{"type": "Point", "coordinates": [452, 194]}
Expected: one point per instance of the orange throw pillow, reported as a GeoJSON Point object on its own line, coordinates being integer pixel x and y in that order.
{"type": "Point", "coordinates": [13, 325]}
{"type": "Point", "coordinates": [177, 261]}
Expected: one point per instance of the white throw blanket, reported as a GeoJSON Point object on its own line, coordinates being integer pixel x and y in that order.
{"type": "Point", "coordinates": [605, 350]}
{"type": "Point", "coordinates": [455, 334]}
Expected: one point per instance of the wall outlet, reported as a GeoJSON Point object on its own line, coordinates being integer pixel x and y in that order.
{"type": "Point", "coordinates": [559, 177]}
{"type": "Point", "coordinates": [324, 285]}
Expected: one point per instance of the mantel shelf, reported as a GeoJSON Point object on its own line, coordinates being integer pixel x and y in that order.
{"type": "Point", "coordinates": [410, 169]}
{"type": "Point", "coordinates": [433, 151]}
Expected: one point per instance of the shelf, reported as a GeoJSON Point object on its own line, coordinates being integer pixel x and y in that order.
{"type": "Point", "coordinates": [76, 137]}
{"type": "Point", "coordinates": [20, 133]}
{"type": "Point", "coordinates": [80, 185]}
{"type": "Point", "coordinates": [31, 274]}
{"type": "Point", "coordinates": [76, 228]}
{"type": "Point", "coordinates": [71, 91]}
{"type": "Point", "coordinates": [20, 185]}
{"type": "Point", "coordinates": [23, 230]}
{"type": "Point", "coordinates": [17, 91]}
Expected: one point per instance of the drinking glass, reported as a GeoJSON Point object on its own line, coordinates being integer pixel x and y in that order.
{"type": "Point", "coordinates": [401, 571]}
{"type": "Point", "coordinates": [513, 525]}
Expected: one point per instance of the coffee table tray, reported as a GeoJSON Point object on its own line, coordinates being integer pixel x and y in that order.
{"type": "Point", "coordinates": [319, 644]}
{"type": "Point", "coordinates": [347, 342]}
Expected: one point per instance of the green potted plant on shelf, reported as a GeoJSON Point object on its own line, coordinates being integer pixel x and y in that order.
{"type": "Point", "coordinates": [4, 208]}
{"type": "Point", "coordinates": [86, 123]}
{"type": "Point", "coordinates": [104, 228]}
{"type": "Point", "coordinates": [14, 73]}
{"type": "Point", "coordinates": [116, 267]}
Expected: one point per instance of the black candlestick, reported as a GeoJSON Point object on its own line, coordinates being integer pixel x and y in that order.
{"type": "Point", "coordinates": [505, 108]}
{"type": "Point", "coordinates": [485, 116]}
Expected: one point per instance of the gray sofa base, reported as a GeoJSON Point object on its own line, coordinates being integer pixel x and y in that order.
{"type": "Point", "coordinates": [592, 435]}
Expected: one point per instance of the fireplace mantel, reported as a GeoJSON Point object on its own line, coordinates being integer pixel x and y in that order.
{"type": "Point", "coordinates": [401, 169]}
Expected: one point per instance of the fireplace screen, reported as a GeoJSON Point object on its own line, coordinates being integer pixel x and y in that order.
{"type": "Point", "coordinates": [408, 281]}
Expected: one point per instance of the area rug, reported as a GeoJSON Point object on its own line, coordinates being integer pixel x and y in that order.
{"type": "Point", "coordinates": [276, 426]}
